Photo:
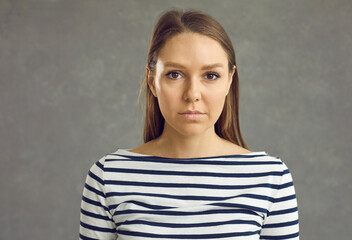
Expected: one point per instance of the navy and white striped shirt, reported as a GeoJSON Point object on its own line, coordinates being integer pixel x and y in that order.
{"type": "Point", "coordinates": [135, 196]}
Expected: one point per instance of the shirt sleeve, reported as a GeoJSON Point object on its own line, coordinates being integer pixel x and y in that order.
{"type": "Point", "coordinates": [281, 221]}
{"type": "Point", "coordinates": [96, 221]}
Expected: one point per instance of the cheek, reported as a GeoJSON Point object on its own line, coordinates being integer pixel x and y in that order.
{"type": "Point", "coordinates": [168, 100]}
{"type": "Point", "coordinates": [215, 102]}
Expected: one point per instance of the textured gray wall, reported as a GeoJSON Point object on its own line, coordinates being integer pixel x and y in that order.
{"type": "Point", "coordinates": [70, 73]}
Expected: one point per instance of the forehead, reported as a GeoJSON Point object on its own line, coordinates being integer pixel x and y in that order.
{"type": "Point", "coordinates": [192, 49]}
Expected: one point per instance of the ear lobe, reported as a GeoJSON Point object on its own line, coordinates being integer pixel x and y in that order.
{"type": "Point", "coordinates": [150, 81]}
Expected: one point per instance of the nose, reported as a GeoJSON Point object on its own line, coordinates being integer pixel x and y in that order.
{"type": "Point", "coordinates": [192, 92]}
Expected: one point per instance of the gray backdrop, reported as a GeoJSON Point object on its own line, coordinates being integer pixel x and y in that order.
{"type": "Point", "coordinates": [70, 75]}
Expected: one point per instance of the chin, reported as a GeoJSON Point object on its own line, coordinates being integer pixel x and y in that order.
{"type": "Point", "coordinates": [192, 130]}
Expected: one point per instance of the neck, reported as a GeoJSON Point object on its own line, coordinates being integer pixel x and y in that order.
{"type": "Point", "coordinates": [176, 145]}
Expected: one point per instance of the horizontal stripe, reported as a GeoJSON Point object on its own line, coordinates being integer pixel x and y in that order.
{"type": "Point", "coordinates": [288, 236]}
{"type": "Point", "coordinates": [231, 156]}
{"type": "Point", "coordinates": [94, 190]}
{"type": "Point", "coordinates": [190, 197]}
{"type": "Point", "coordinates": [189, 185]}
{"type": "Point", "coordinates": [95, 177]}
{"type": "Point", "coordinates": [99, 229]}
{"type": "Point", "coordinates": [283, 224]}
{"type": "Point", "coordinates": [100, 165]}
{"type": "Point", "coordinates": [229, 205]}
{"type": "Point", "coordinates": [181, 197]}
{"type": "Point", "coordinates": [191, 225]}
{"type": "Point", "coordinates": [201, 174]}
{"type": "Point", "coordinates": [95, 203]}
{"type": "Point", "coordinates": [86, 238]}
{"type": "Point", "coordinates": [236, 205]}
{"type": "Point", "coordinates": [193, 162]}
{"type": "Point", "coordinates": [286, 185]}
{"type": "Point", "coordinates": [285, 211]}
{"type": "Point", "coordinates": [188, 236]}
{"type": "Point", "coordinates": [146, 205]}
{"type": "Point", "coordinates": [286, 198]}
{"type": "Point", "coordinates": [93, 215]}
{"type": "Point", "coordinates": [185, 213]}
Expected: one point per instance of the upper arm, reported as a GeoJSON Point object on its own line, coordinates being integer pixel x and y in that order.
{"type": "Point", "coordinates": [96, 222]}
{"type": "Point", "coordinates": [281, 221]}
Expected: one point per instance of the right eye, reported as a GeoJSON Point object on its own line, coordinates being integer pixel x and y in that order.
{"type": "Point", "coordinates": [173, 75]}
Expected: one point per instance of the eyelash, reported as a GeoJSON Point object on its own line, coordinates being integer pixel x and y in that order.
{"type": "Point", "coordinates": [215, 74]}
{"type": "Point", "coordinates": [208, 73]}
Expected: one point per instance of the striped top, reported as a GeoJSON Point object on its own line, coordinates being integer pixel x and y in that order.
{"type": "Point", "coordinates": [136, 196]}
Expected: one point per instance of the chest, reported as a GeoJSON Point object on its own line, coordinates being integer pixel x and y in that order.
{"type": "Point", "coordinates": [208, 202]}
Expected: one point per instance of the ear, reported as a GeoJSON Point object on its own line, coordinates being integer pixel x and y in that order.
{"type": "Point", "coordinates": [150, 81]}
{"type": "Point", "coordinates": [230, 78]}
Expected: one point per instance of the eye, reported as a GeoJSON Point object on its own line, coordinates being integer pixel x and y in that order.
{"type": "Point", "coordinates": [173, 75]}
{"type": "Point", "coordinates": [212, 76]}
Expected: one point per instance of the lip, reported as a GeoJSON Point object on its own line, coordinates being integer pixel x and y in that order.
{"type": "Point", "coordinates": [192, 115]}
{"type": "Point", "coordinates": [191, 112]}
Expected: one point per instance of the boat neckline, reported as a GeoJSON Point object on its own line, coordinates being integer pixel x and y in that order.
{"type": "Point", "coordinates": [129, 153]}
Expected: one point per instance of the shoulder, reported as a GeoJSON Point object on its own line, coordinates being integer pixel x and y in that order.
{"type": "Point", "coordinates": [235, 150]}
{"type": "Point", "coordinates": [280, 169]}
{"type": "Point", "coordinates": [146, 148]}
{"type": "Point", "coordinates": [228, 148]}
{"type": "Point", "coordinates": [97, 169]}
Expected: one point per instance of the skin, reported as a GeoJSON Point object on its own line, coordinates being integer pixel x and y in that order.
{"type": "Point", "coordinates": [182, 82]}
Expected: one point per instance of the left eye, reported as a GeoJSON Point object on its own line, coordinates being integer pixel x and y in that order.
{"type": "Point", "coordinates": [173, 75]}
{"type": "Point", "coordinates": [212, 76]}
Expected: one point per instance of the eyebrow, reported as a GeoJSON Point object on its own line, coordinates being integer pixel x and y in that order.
{"type": "Point", "coordinates": [205, 67]}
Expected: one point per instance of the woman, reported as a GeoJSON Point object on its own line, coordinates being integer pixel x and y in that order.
{"type": "Point", "coordinates": [194, 178]}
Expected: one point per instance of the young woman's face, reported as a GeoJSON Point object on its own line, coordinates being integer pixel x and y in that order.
{"type": "Point", "coordinates": [191, 75]}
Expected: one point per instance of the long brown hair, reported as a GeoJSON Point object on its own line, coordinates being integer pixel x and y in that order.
{"type": "Point", "coordinates": [174, 22]}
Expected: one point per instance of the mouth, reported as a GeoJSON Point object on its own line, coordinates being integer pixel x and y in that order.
{"type": "Point", "coordinates": [192, 115]}
{"type": "Point", "coordinates": [191, 112]}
